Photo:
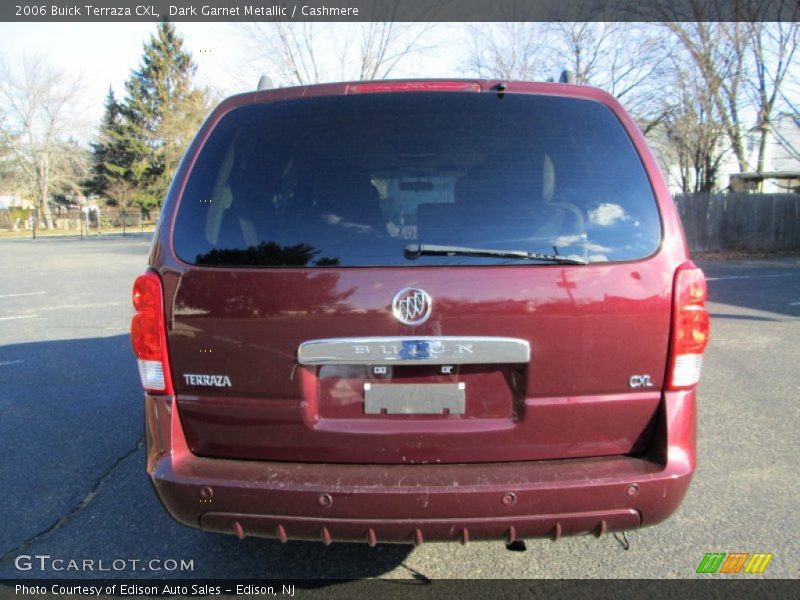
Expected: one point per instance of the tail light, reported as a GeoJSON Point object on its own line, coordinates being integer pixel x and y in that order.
{"type": "Point", "coordinates": [414, 86]}
{"type": "Point", "coordinates": [690, 327]}
{"type": "Point", "coordinates": [148, 334]}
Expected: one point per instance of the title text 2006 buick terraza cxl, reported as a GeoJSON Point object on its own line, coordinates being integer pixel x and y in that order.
{"type": "Point", "coordinates": [420, 310]}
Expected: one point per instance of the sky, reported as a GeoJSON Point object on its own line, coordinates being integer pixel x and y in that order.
{"type": "Point", "coordinates": [104, 54]}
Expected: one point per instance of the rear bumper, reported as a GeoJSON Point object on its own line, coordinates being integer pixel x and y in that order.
{"type": "Point", "coordinates": [416, 503]}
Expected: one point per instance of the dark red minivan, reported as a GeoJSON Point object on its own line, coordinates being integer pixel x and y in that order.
{"type": "Point", "coordinates": [402, 311]}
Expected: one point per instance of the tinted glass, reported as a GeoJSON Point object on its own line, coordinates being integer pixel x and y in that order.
{"type": "Point", "coordinates": [351, 180]}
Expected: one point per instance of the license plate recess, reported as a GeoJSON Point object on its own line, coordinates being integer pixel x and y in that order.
{"type": "Point", "coordinates": [414, 398]}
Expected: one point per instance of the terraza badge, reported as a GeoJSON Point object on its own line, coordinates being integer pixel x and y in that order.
{"type": "Point", "coordinates": [207, 380]}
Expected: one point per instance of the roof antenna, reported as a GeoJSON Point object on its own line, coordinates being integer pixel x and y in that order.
{"type": "Point", "coordinates": [264, 83]}
{"type": "Point", "coordinates": [501, 89]}
{"type": "Point", "coordinates": [567, 76]}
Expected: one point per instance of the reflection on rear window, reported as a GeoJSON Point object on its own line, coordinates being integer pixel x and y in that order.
{"type": "Point", "coordinates": [352, 180]}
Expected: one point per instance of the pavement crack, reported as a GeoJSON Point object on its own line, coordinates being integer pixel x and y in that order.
{"type": "Point", "coordinates": [70, 515]}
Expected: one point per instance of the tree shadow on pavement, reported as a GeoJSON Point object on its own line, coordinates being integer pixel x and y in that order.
{"type": "Point", "coordinates": [771, 286]}
{"type": "Point", "coordinates": [75, 486]}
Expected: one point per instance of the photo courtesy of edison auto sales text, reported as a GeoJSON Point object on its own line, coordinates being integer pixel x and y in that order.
{"type": "Point", "coordinates": [130, 589]}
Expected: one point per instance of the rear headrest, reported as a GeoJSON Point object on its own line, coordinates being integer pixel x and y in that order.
{"type": "Point", "coordinates": [347, 191]}
{"type": "Point", "coordinates": [348, 199]}
{"type": "Point", "coordinates": [507, 182]}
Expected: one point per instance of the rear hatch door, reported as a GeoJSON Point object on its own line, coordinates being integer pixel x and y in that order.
{"type": "Point", "coordinates": [302, 329]}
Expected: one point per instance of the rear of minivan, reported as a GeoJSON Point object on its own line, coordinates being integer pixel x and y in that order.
{"type": "Point", "coordinates": [420, 310]}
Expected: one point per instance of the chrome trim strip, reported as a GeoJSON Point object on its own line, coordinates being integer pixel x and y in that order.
{"type": "Point", "coordinates": [429, 350]}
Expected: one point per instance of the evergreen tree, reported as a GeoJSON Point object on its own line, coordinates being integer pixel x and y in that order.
{"type": "Point", "coordinates": [108, 153]}
{"type": "Point", "coordinates": [143, 137]}
{"type": "Point", "coordinates": [162, 112]}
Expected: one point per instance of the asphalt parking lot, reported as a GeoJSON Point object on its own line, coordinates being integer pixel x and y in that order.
{"type": "Point", "coordinates": [71, 440]}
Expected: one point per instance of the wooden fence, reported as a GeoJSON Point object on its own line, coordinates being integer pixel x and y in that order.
{"type": "Point", "coordinates": [740, 221]}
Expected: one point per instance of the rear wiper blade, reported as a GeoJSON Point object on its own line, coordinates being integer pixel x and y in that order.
{"type": "Point", "coordinates": [416, 250]}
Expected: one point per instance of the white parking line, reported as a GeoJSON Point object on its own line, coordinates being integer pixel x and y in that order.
{"type": "Point", "coordinates": [23, 294]}
{"type": "Point", "coordinates": [794, 303]}
{"type": "Point", "coordinates": [10, 362]}
{"type": "Point", "coordinates": [65, 307]}
{"type": "Point", "coordinates": [752, 276]}
{"type": "Point", "coordinates": [81, 306]}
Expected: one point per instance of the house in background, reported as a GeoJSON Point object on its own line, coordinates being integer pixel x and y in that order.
{"type": "Point", "coordinates": [8, 201]}
{"type": "Point", "coordinates": [781, 172]}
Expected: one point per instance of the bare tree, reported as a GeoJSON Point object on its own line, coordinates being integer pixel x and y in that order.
{"type": "Point", "coordinates": [384, 45]}
{"type": "Point", "coordinates": [625, 59]}
{"type": "Point", "coordinates": [8, 166]}
{"type": "Point", "coordinates": [120, 191]}
{"type": "Point", "coordinates": [622, 58]}
{"type": "Point", "coordinates": [789, 142]}
{"type": "Point", "coordinates": [37, 102]}
{"type": "Point", "coordinates": [773, 47]}
{"type": "Point", "coordinates": [718, 51]}
{"type": "Point", "coordinates": [513, 50]}
{"type": "Point", "coordinates": [302, 53]}
{"type": "Point", "coordinates": [744, 66]}
{"type": "Point", "coordinates": [288, 48]}
{"type": "Point", "coordinates": [693, 133]}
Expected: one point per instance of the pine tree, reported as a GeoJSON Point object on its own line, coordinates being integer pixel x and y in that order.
{"type": "Point", "coordinates": [162, 111]}
{"type": "Point", "coordinates": [108, 154]}
{"type": "Point", "coordinates": [143, 137]}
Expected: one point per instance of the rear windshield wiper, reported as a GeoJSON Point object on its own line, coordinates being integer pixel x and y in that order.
{"type": "Point", "coordinates": [416, 250]}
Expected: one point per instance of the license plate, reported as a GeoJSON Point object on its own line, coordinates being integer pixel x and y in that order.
{"type": "Point", "coordinates": [414, 398]}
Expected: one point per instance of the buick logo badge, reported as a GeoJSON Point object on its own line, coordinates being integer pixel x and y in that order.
{"type": "Point", "coordinates": [412, 306]}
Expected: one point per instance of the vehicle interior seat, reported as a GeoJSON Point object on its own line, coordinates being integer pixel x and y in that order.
{"type": "Point", "coordinates": [496, 207]}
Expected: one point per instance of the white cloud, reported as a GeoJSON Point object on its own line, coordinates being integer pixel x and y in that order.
{"type": "Point", "coordinates": [565, 241]}
{"type": "Point", "coordinates": [568, 240]}
{"type": "Point", "coordinates": [607, 214]}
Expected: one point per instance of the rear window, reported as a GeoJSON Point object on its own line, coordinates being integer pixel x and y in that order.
{"type": "Point", "coordinates": [352, 180]}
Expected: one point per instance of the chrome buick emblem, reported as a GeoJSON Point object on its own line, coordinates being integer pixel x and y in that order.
{"type": "Point", "coordinates": [412, 306]}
